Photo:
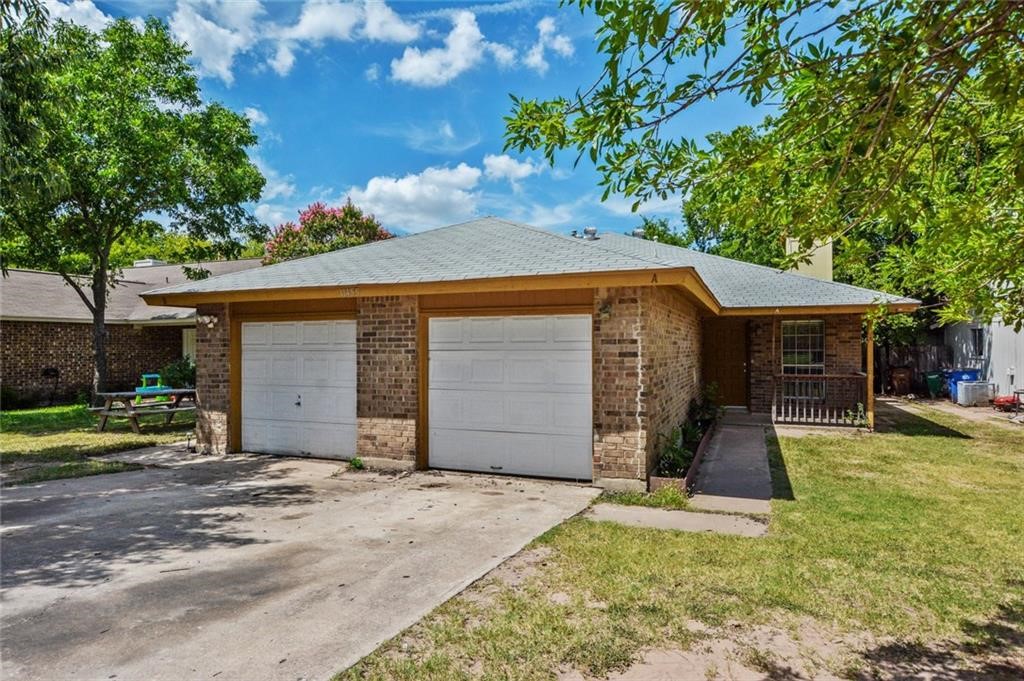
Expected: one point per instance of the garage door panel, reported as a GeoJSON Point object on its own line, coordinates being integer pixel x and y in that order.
{"type": "Point", "coordinates": [284, 334]}
{"type": "Point", "coordinates": [299, 388]}
{"type": "Point", "coordinates": [572, 330]}
{"type": "Point", "coordinates": [510, 411]}
{"type": "Point", "coordinates": [520, 333]}
{"type": "Point", "coordinates": [527, 329]}
{"type": "Point", "coordinates": [544, 455]}
{"type": "Point", "coordinates": [511, 395]}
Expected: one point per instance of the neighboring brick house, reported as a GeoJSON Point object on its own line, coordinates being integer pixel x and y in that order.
{"type": "Point", "coordinates": [497, 347]}
{"type": "Point", "coordinates": [45, 326]}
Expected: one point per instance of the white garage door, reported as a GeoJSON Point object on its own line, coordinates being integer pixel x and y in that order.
{"type": "Point", "coordinates": [299, 388]}
{"type": "Point", "coordinates": [511, 395]}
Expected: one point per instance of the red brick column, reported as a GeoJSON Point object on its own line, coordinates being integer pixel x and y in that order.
{"type": "Point", "coordinates": [387, 376]}
{"type": "Point", "coordinates": [620, 411]}
{"type": "Point", "coordinates": [213, 389]}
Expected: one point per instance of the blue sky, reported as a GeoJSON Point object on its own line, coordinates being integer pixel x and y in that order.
{"type": "Point", "coordinates": [400, 105]}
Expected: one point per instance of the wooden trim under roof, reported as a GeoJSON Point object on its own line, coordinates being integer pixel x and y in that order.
{"type": "Point", "coordinates": [814, 309]}
{"type": "Point", "coordinates": [684, 277]}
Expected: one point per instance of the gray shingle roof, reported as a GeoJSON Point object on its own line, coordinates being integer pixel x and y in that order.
{"type": "Point", "coordinates": [491, 247]}
{"type": "Point", "coordinates": [31, 294]}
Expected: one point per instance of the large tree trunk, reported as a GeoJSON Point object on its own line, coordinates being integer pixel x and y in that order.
{"type": "Point", "coordinates": [99, 330]}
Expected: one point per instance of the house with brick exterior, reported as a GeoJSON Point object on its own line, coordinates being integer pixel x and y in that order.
{"type": "Point", "coordinates": [497, 347]}
{"type": "Point", "coordinates": [46, 329]}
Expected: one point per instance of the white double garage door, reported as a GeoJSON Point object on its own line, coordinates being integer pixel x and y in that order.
{"type": "Point", "coordinates": [506, 394]}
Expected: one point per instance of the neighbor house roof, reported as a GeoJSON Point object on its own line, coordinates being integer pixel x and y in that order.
{"type": "Point", "coordinates": [45, 296]}
{"type": "Point", "coordinates": [492, 249]}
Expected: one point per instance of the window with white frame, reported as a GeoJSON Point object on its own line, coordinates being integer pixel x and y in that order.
{"type": "Point", "coordinates": [978, 342]}
{"type": "Point", "coordinates": [803, 354]}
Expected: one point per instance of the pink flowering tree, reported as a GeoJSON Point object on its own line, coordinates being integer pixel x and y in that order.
{"type": "Point", "coordinates": [322, 229]}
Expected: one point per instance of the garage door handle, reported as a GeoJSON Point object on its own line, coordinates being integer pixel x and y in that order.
{"type": "Point", "coordinates": [298, 402]}
{"type": "Point", "coordinates": [496, 468]}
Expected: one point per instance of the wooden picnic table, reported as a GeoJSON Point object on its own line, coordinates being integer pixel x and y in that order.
{"type": "Point", "coordinates": [132, 410]}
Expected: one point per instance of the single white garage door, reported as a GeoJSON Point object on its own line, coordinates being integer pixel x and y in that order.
{"type": "Point", "coordinates": [299, 388]}
{"type": "Point", "coordinates": [511, 395]}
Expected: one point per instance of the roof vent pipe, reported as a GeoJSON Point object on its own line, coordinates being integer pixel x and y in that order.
{"type": "Point", "coordinates": [639, 233]}
{"type": "Point", "coordinates": [590, 233]}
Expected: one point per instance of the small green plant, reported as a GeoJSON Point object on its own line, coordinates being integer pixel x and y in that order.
{"type": "Point", "coordinates": [668, 496]}
{"type": "Point", "coordinates": [181, 373]}
{"type": "Point", "coordinates": [676, 455]}
{"type": "Point", "coordinates": [356, 464]}
{"type": "Point", "coordinates": [858, 418]}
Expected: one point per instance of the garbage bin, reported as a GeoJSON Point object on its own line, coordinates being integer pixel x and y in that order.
{"type": "Point", "coordinates": [900, 379]}
{"type": "Point", "coordinates": [933, 379]}
{"type": "Point", "coordinates": [954, 377]}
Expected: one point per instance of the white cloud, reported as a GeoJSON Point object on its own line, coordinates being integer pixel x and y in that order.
{"type": "Point", "coordinates": [384, 24]}
{"type": "Point", "coordinates": [548, 38]}
{"type": "Point", "coordinates": [324, 19]}
{"type": "Point", "coordinates": [277, 185]}
{"type": "Point", "coordinates": [464, 48]}
{"type": "Point", "coordinates": [273, 214]}
{"type": "Point", "coordinates": [439, 137]}
{"type": "Point", "coordinates": [81, 12]}
{"type": "Point", "coordinates": [213, 46]}
{"type": "Point", "coordinates": [283, 59]}
{"type": "Point", "coordinates": [255, 116]}
{"type": "Point", "coordinates": [372, 72]}
{"type": "Point", "coordinates": [504, 167]}
{"type": "Point", "coordinates": [504, 55]}
{"type": "Point", "coordinates": [437, 196]}
{"type": "Point", "coordinates": [623, 206]}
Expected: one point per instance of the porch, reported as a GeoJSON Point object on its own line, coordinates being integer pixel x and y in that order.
{"type": "Point", "coordinates": [811, 370]}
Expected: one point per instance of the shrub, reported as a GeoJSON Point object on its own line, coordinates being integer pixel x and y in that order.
{"type": "Point", "coordinates": [180, 373]}
{"type": "Point", "coordinates": [356, 464]}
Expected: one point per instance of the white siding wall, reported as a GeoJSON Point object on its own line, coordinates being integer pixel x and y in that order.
{"type": "Point", "coordinates": [1002, 362]}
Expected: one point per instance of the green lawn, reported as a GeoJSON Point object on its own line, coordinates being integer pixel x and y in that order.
{"type": "Point", "coordinates": [915, 533]}
{"type": "Point", "coordinates": [55, 442]}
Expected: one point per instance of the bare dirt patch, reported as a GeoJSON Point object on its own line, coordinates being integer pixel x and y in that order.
{"type": "Point", "coordinates": [807, 650]}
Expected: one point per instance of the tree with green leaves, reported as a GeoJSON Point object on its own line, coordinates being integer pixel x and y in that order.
{"type": "Point", "coordinates": [901, 118]}
{"type": "Point", "coordinates": [119, 138]}
{"type": "Point", "coordinates": [322, 229]}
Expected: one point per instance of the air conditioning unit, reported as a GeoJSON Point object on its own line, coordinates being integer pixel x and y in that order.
{"type": "Point", "coordinates": [973, 393]}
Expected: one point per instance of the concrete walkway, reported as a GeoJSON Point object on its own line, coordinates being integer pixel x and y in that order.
{"type": "Point", "coordinates": [734, 476]}
{"type": "Point", "coordinates": [684, 521]}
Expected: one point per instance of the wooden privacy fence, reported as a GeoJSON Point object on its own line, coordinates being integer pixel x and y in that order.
{"type": "Point", "coordinates": [920, 359]}
{"type": "Point", "coordinates": [824, 399]}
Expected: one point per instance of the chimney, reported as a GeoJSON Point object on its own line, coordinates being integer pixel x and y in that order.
{"type": "Point", "coordinates": [149, 262]}
{"type": "Point", "coordinates": [820, 264]}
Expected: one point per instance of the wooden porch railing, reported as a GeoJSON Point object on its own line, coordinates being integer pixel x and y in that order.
{"type": "Point", "coordinates": [827, 399]}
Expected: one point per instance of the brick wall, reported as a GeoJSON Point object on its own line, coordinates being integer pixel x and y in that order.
{"type": "Point", "coordinates": [213, 396]}
{"type": "Point", "coordinates": [842, 356]}
{"type": "Point", "coordinates": [646, 370]}
{"type": "Point", "coordinates": [620, 412]}
{"type": "Point", "coordinates": [387, 377]}
{"type": "Point", "coordinates": [26, 348]}
{"type": "Point", "coordinates": [672, 355]}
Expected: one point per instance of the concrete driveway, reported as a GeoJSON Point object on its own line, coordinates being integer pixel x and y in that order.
{"type": "Point", "coordinates": [246, 567]}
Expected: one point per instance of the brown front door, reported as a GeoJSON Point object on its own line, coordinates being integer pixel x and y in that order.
{"type": "Point", "coordinates": [725, 359]}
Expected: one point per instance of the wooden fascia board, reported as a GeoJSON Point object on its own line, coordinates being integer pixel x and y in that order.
{"type": "Point", "coordinates": [674, 276]}
{"type": "Point", "coordinates": [813, 310]}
